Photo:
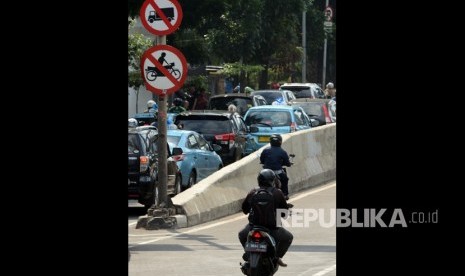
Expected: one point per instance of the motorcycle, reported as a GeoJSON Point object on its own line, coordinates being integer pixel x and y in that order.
{"type": "Point", "coordinates": [260, 249]}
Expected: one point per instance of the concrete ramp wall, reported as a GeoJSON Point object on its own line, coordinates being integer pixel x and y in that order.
{"type": "Point", "coordinates": [222, 193]}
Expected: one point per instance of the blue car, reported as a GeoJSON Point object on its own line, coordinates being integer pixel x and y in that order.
{"type": "Point", "coordinates": [195, 157]}
{"type": "Point", "coordinates": [270, 119]}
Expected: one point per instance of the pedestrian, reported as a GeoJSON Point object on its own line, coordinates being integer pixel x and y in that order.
{"type": "Point", "coordinates": [201, 102]}
{"type": "Point", "coordinates": [330, 91]}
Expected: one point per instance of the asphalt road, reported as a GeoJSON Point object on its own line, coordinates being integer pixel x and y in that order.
{"type": "Point", "coordinates": [214, 249]}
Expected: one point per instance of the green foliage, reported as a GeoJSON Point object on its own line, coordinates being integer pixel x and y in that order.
{"type": "Point", "coordinates": [197, 81]}
{"type": "Point", "coordinates": [137, 45]}
{"type": "Point", "coordinates": [266, 33]}
{"type": "Point", "coordinates": [236, 68]}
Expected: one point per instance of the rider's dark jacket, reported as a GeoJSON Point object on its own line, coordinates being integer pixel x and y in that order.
{"type": "Point", "coordinates": [274, 158]}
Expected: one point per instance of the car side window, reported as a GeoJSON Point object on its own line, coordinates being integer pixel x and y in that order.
{"type": "Point", "coordinates": [319, 93]}
{"type": "Point", "coordinates": [241, 124]}
{"type": "Point", "coordinates": [298, 117]}
{"type": "Point", "coordinates": [203, 144]}
{"type": "Point", "coordinates": [192, 142]}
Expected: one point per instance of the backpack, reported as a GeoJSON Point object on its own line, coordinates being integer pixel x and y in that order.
{"type": "Point", "coordinates": [263, 207]}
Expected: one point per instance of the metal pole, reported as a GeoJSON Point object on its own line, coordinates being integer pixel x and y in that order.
{"type": "Point", "coordinates": [162, 141]}
{"type": "Point", "coordinates": [323, 83]}
{"type": "Point", "coordinates": [324, 64]}
{"type": "Point", "coordinates": [304, 46]}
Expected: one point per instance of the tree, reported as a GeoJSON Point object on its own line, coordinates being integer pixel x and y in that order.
{"type": "Point", "coordinates": [137, 45]}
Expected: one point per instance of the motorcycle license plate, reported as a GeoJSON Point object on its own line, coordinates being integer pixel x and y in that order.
{"type": "Point", "coordinates": [255, 247]}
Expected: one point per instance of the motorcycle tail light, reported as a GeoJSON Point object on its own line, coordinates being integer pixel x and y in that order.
{"type": "Point", "coordinates": [256, 235]}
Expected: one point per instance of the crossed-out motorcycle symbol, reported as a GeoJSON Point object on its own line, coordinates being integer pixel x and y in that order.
{"type": "Point", "coordinates": [153, 72]}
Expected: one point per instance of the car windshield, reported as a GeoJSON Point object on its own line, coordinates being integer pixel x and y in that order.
{"type": "Point", "coordinates": [270, 96]}
{"type": "Point", "coordinates": [300, 92]}
{"type": "Point", "coordinates": [242, 104]}
{"type": "Point", "coordinates": [206, 125]}
{"type": "Point", "coordinates": [312, 109]}
{"type": "Point", "coordinates": [134, 143]}
{"type": "Point", "coordinates": [174, 139]}
{"type": "Point", "coordinates": [272, 118]}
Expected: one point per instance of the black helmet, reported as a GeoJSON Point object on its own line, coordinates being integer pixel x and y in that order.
{"type": "Point", "coordinates": [266, 177]}
{"type": "Point", "coordinates": [177, 101]}
{"type": "Point", "coordinates": [276, 140]}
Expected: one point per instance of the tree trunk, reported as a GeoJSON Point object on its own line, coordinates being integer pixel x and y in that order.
{"type": "Point", "coordinates": [263, 83]}
{"type": "Point", "coordinates": [137, 99]}
{"type": "Point", "coordinates": [242, 81]}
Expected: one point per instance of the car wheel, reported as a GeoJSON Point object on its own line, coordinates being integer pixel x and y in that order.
{"type": "Point", "coordinates": [178, 184]}
{"type": "Point", "coordinates": [192, 179]}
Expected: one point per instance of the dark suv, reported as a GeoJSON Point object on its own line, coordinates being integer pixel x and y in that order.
{"type": "Point", "coordinates": [242, 101]}
{"type": "Point", "coordinates": [221, 128]}
{"type": "Point", "coordinates": [142, 166]}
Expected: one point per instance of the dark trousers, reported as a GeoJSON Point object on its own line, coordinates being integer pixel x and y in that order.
{"type": "Point", "coordinates": [282, 237]}
{"type": "Point", "coordinates": [284, 181]}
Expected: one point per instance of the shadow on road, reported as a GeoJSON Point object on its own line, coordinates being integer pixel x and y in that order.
{"type": "Point", "coordinates": [312, 248]}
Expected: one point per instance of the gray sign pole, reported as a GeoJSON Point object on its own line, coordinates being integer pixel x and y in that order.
{"type": "Point", "coordinates": [323, 82]}
{"type": "Point", "coordinates": [162, 141]}
{"type": "Point", "coordinates": [304, 46]}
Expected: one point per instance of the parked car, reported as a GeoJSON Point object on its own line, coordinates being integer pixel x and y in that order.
{"type": "Point", "coordinates": [219, 128]}
{"type": "Point", "coordinates": [304, 90]}
{"type": "Point", "coordinates": [143, 165]}
{"type": "Point", "coordinates": [268, 120]}
{"type": "Point", "coordinates": [332, 109]}
{"type": "Point", "coordinates": [276, 97]}
{"type": "Point", "coordinates": [242, 101]}
{"type": "Point", "coordinates": [145, 118]}
{"type": "Point", "coordinates": [195, 157]}
{"type": "Point", "coordinates": [315, 109]}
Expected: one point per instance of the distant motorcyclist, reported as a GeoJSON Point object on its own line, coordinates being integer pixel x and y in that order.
{"type": "Point", "coordinates": [177, 106]}
{"type": "Point", "coordinates": [274, 158]}
{"type": "Point", "coordinates": [266, 179]}
{"type": "Point", "coordinates": [152, 107]}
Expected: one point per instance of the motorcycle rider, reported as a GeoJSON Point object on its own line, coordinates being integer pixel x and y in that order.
{"type": "Point", "coordinates": [151, 106]}
{"type": "Point", "coordinates": [274, 158]}
{"type": "Point", "coordinates": [177, 106]}
{"type": "Point", "coordinates": [266, 178]}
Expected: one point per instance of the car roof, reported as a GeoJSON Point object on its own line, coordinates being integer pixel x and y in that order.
{"type": "Point", "coordinates": [205, 113]}
{"type": "Point", "coordinates": [271, 107]}
{"type": "Point", "coordinates": [141, 128]}
{"type": "Point", "coordinates": [232, 95]}
{"type": "Point", "coordinates": [178, 132]}
{"type": "Point", "coordinates": [299, 84]}
{"type": "Point", "coordinates": [144, 115]}
{"type": "Point", "coordinates": [308, 100]}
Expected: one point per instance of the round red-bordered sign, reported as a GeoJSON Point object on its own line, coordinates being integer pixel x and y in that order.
{"type": "Point", "coordinates": [166, 78]}
{"type": "Point", "coordinates": [161, 17]}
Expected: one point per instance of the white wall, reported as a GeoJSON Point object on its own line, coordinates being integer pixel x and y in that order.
{"type": "Point", "coordinates": [144, 96]}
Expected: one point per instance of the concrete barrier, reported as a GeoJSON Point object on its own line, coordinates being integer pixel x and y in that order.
{"type": "Point", "coordinates": [222, 193]}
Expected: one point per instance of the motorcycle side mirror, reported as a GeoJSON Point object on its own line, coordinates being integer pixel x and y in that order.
{"type": "Point", "coordinates": [177, 151]}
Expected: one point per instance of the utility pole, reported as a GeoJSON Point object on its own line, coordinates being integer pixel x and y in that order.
{"type": "Point", "coordinates": [304, 45]}
{"type": "Point", "coordinates": [162, 141]}
{"type": "Point", "coordinates": [328, 26]}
